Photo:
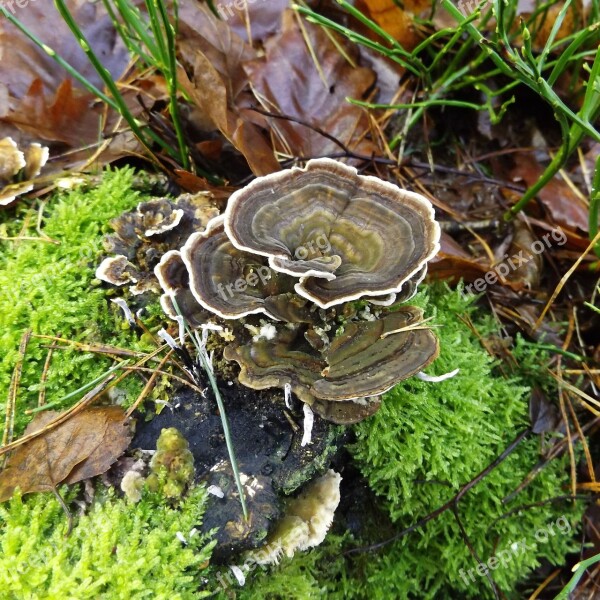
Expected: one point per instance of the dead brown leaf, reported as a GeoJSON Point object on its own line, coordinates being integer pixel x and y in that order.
{"type": "Point", "coordinates": [453, 263]}
{"type": "Point", "coordinates": [200, 31]}
{"type": "Point", "coordinates": [528, 264]}
{"type": "Point", "coordinates": [565, 207]}
{"type": "Point", "coordinates": [66, 117]}
{"type": "Point", "coordinates": [213, 56]}
{"type": "Point", "coordinates": [288, 81]}
{"type": "Point", "coordinates": [260, 18]}
{"type": "Point", "coordinates": [397, 21]}
{"type": "Point", "coordinates": [544, 21]}
{"type": "Point", "coordinates": [23, 62]}
{"type": "Point", "coordinates": [83, 446]}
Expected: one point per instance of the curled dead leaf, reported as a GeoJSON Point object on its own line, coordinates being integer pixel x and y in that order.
{"type": "Point", "coordinates": [83, 446]}
{"type": "Point", "coordinates": [305, 78]}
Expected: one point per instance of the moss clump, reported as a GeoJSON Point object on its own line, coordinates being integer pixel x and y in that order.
{"type": "Point", "coordinates": [117, 550]}
{"type": "Point", "coordinates": [50, 287]}
{"type": "Point", "coordinates": [172, 466]}
{"type": "Point", "coordinates": [427, 441]}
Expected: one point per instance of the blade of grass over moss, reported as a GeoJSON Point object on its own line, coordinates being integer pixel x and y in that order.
{"type": "Point", "coordinates": [205, 362]}
{"type": "Point", "coordinates": [84, 388]}
{"type": "Point", "coordinates": [109, 82]}
{"type": "Point", "coordinates": [580, 568]}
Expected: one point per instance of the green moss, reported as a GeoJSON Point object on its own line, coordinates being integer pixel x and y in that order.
{"type": "Point", "coordinates": [308, 575]}
{"type": "Point", "coordinates": [117, 550]}
{"type": "Point", "coordinates": [429, 439]}
{"type": "Point", "coordinates": [172, 466]}
{"type": "Point", "coordinates": [50, 287]}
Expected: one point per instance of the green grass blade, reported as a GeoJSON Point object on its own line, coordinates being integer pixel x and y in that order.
{"type": "Point", "coordinates": [553, 33]}
{"type": "Point", "coordinates": [58, 59]}
{"type": "Point", "coordinates": [224, 421]}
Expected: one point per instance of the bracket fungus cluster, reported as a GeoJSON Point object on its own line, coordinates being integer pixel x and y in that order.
{"type": "Point", "coordinates": [18, 168]}
{"type": "Point", "coordinates": [308, 267]}
{"type": "Point", "coordinates": [144, 235]}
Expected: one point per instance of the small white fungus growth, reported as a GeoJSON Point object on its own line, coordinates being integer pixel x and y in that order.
{"type": "Point", "coordinates": [132, 484]}
{"type": "Point", "coordinates": [165, 337]}
{"type": "Point", "coordinates": [181, 323]}
{"type": "Point", "coordinates": [366, 314]}
{"type": "Point", "coordinates": [181, 538]}
{"type": "Point", "coordinates": [287, 391]}
{"type": "Point", "coordinates": [433, 379]}
{"type": "Point", "coordinates": [239, 575]}
{"type": "Point", "coordinates": [215, 490]}
{"type": "Point", "coordinates": [126, 310]}
{"type": "Point", "coordinates": [267, 332]}
{"type": "Point", "coordinates": [211, 327]}
{"type": "Point", "coordinates": [68, 183]}
{"type": "Point", "coordinates": [309, 419]}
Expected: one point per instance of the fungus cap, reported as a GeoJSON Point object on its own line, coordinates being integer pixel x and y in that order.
{"type": "Point", "coordinates": [226, 281]}
{"type": "Point", "coordinates": [345, 235]}
{"type": "Point", "coordinates": [173, 278]}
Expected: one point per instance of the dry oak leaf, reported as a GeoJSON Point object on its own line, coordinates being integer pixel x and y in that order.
{"type": "Point", "coordinates": [287, 81]}
{"type": "Point", "coordinates": [23, 62]}
{"type": "Point", "coordinates": [213, 55]}
{"type": "Point", "coordinates": [85, 445]}
{"type": "Point", "coordinates": [398, 22]}
{"type": "Point", "coordinates": [453, 263]}
{"type": "Point", "coordinates": [564, 206]}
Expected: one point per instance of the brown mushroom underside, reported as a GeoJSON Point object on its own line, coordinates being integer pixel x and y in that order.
{"type": "Point", "coordinates": [366, 359]}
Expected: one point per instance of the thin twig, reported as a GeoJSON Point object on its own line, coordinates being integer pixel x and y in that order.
{"type": "Point", "coordinates": [66, 510]}
{"type": "Point", "coordinates": [44, 378]}
{"type": "Point", "coordinates": [472, 550]}
{"type": "Point", "coordinates": [556, 450]}
{"type": "Point", "coordinates": [149, 384]}
{"type": "Point", "coordinates": [14, 389]}
{"type": "Point", "coordinates": [181, 380]}
{"type": "Point", "coordinates": [452, 502]}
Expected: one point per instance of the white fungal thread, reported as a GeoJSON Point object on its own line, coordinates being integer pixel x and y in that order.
{"type": "Point", "coordinates": [436, 379]}
{"type": "Point", "coordinates": [180, 320]}
{"type": "Point", "coordinates": [239, 575]}
{"type": "Point", "coordinates": [165, 337]}
{"type": "Point", "coordinates": [309, 419]}
{"type": "Point", "coordinates": [126, 310]}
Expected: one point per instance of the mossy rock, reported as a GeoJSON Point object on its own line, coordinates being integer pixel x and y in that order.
{"type": "Point", "coordinates": [270, 458]}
